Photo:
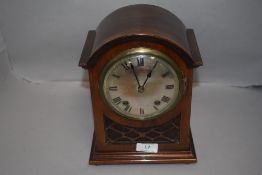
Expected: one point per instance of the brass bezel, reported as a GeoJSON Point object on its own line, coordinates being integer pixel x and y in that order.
{"type": "Point", "coordinates": [149, 51]}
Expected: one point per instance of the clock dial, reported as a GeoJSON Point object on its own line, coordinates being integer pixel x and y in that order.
{"type": "Point", "coordinates": [141, 84]}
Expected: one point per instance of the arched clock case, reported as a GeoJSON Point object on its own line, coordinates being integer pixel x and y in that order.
{"type": "Point", "coordinates": [140, 61]}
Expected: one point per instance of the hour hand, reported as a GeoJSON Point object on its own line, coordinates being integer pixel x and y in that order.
{"type": "Point", "coordinates": [149, 74]}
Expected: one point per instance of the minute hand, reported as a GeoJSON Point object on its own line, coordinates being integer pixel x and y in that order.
{"type": "Point", "coordinates": [134, 72]}
{"type": "Point", "coordinates": [149, 74]}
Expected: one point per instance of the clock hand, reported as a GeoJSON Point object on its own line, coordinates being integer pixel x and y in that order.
{"type": "Point", "coordinates": [149, 75]}
{"type": "Point", "coordinates": [134, 72]}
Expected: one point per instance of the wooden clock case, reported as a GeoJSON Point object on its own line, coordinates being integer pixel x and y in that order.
{"type": "Point", "coordinates": [115, 137]}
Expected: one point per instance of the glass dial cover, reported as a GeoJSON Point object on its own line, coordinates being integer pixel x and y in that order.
{"type": "Point", "coordinates": [141, 84]}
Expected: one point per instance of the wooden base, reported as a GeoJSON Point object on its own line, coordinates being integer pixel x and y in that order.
{"type": "Point", "coordinates": [185, 156]}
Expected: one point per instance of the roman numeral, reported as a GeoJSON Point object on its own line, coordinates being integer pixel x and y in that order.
{"type": "Point", "coordinates": [125, 103]}
{"type": "Point", "coordinates": [141, 111]}
{"type": "Point", "coordinates": [117, 100]}
{"type": "Point", "coordinates": [128, 108]}
{"type": "Point", "coordinates": [170, 86]}
{"type": "Point", "coordinates": [125, 65]}
{"type": "Point", "coordinates": [140, 61]}
{"type": "Point", "coordinates": [165, 99]}
{"type": "Point", "coordinates": [165, 74]}
{"type": "Point", "coordinates": [157, 102]}
{"type": "Point", "coordinates": [113, 88]}
{"type": "Point", "coordinates": [155, 108]}
{"type": "Point", "coordinates": [116, 76]}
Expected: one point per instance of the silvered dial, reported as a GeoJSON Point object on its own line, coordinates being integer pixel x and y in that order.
{"type": "Point", "coordinates": [141, 84]}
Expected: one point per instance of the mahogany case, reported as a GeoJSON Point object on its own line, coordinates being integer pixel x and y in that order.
{"type": "Point", "coordinates": [115, 137]}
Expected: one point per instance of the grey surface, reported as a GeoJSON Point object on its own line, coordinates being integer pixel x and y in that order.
{"type": "Point", "coordinates": [45, 111]}
{"type": "Point", "coordinates": [46, 128]}
{"type": "Point", "coordinates": [45, 38]}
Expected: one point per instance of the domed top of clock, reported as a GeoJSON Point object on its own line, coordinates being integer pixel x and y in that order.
{"type": "Point", "coordinates": [141, 22]}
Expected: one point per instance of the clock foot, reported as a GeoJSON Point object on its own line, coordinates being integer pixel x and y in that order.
{"type": "Point", "coordinates": [181, 156]}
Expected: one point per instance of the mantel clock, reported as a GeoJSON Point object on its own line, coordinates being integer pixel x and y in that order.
{"type": "Point", "coordinates": [140, 61]}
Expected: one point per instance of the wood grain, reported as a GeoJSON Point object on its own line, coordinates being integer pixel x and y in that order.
{"type": "Point", "coordinates": [157, 29]}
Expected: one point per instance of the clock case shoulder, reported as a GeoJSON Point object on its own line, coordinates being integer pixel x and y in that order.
{"type": "Point", "coordinates": [85, 58]}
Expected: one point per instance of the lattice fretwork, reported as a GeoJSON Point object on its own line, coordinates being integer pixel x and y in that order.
{"type": "Point", "coordinates": [165, 133]}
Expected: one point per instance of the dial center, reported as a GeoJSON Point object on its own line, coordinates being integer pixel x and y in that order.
{"type": "Point", "coordinates": [141, 89]}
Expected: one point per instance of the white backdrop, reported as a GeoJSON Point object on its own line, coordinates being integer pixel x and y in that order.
{"type": "Point", "coordinates": [45, 38]}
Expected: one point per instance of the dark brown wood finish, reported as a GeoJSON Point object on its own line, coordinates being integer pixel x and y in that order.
{"type": "Point", "coordinates": [142, 22]}
{"type": "Point", "coordinates": [131, 27]}
{"type": "Point", "coordinates": [86, 53]}
{"type": "Point", "coordinates": [131, 157]}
